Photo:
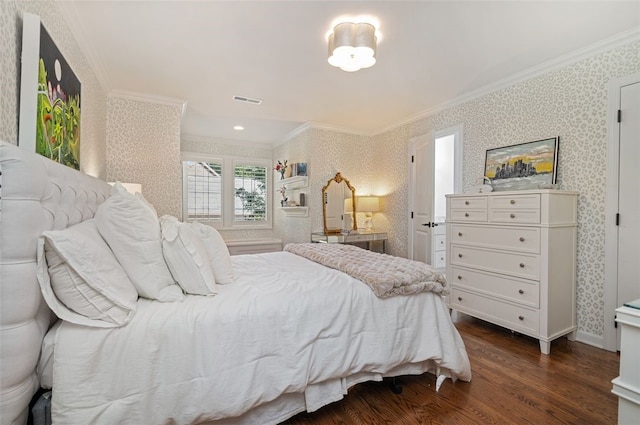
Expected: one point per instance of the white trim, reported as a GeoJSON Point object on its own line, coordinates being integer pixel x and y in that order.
{"type": "Point", "coordinates": [226, 142]}
{"type": "Point", "coordinates": [540, 69]}
{"type": "Point", "coordinates": [458, 133]}
{"type": "Point", "coordinates": [590, 339]}
{"type": "Point", "coordinates": [149, 98]}
{"type": "Point", "coordinates": [319, 126]}
{"type": "Point", "coordinates": [611, 208]}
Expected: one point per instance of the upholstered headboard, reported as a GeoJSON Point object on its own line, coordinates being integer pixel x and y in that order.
{"type": "Point", "coordinates": [36, 194]}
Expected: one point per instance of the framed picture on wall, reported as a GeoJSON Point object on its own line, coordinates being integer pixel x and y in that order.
{"type": "Point", "coordinates": [530, 165]}
{"type": "Point", "coordinates": [49, 97]}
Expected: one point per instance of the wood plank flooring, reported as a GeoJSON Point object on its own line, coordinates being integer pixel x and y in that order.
{"type": "Point", "coordinates": [512, 383]}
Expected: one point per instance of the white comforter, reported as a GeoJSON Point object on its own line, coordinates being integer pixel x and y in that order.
{"type": "Point", "coordinates": [287, 326]}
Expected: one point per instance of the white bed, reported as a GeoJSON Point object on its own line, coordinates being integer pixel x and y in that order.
{"type": "Point", "coordinates": [289, 335]}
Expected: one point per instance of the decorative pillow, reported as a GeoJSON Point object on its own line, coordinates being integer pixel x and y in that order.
{"type": "Point", "coordinates": [186, 257]}
{"type": "Point", "coordinates": [217, 252]}
{"type": "Point", "coordinates": [81, 280]}
{"type": "Point", "coordinates": [130, 226]}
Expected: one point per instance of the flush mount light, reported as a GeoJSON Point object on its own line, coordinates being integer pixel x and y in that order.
{"type": "Point", "coordinates": [352, 46]}
{"type": "Point", "coordinates": [238, 127]}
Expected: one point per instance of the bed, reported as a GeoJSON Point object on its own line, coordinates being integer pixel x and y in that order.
{"type": "Point", "coordinates": [288, 335]}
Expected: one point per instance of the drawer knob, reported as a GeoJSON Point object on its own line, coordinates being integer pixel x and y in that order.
{"type": "Point", "coordinates": [460, 234]}
{"type": "Point", "coordinates": [512, 215]}
{"type": "Point", "coordinates": [459, 298]}
{"type": "Point", "coordinates": [522, 265]}
{"type": "Point", "coordinates": [520, 291]}
{"type": "Point", "coordinates": [459, 277]}
{"type": "Point", "coordinates": [513, 201]}
{"type": "Point", "coordinates": [521, 239]}
{"type": "Point", "coordinates": [466, 202]}
{"type": "Point", "coordinates": [459, 255]}
{"type": "Point", "coordinates": [466, 214]}
{"type": "Point", "coordinates": [520, 317]}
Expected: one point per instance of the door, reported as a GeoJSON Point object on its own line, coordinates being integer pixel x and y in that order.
{"type": "Point", "coordinates": [629, 197]}
{"type": "Point", "coordinates": [422, 179]}
{"type": "Point", "coordinates": [436, 170]}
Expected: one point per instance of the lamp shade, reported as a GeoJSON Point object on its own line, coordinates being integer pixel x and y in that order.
{"type": "Point", "coordinates": [368, 204]}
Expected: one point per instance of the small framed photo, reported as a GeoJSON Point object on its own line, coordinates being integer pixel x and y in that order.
{"type": "Point", "coordinates": [530, 165]}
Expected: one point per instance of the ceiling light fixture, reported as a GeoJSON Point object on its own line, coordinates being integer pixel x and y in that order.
{"type": "Point", "coordinates": [352, 46]}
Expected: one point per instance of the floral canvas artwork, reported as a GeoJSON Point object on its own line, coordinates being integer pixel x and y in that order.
{"type": "Point", "coordinates": [58, 106]}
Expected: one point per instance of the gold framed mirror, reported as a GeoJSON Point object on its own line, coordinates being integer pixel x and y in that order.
{"type": "Point", "coordinates": [339, 205]}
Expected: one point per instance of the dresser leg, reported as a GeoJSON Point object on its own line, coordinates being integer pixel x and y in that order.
{"type": "Point", "coordinates": [545, 347]}
{"type": "Point", "coordinates": [571, 336]}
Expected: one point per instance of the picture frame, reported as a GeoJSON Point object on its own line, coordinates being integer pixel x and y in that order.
{"type": "Point", "coordinates": [49, 97]}
{"type": "Point", "coordinates": [530, 165]}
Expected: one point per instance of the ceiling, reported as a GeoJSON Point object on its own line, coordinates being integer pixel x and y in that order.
{"type": "Point", "coordinates": [429, 53]}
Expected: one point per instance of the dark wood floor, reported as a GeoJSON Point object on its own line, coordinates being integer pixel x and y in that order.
{"type": "Point", "coordinates": [512, 383]}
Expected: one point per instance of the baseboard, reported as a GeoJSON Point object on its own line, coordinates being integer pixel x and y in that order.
{"type": "Point", "coordinates": [590, 339]}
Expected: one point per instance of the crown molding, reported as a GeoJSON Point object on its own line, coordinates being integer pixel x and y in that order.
{"type": "Point", "coordinates": [319, 126]}
{"type": "Point", "coordinates": [149, 98]}
{"type": "Point", "coordinates": [570, 58]}
{"type": "Point", "coordinates": [228, 142]}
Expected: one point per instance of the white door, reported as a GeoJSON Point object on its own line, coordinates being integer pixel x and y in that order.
{"type": "Point", "coordinates": [629, 197]}
{"type": "Point", "coordinates": [422, 195]}
{"type": "Point", "coordinates": [436, 170]}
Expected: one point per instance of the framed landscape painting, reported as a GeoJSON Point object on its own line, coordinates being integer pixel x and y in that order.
{"type": "Point", "coordinates": [49, 98]}
{"type": "Point", "coordinates": [529, 165]}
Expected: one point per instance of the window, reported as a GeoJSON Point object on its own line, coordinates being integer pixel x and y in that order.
{"type": "Point", "coordinates": [227, 192]}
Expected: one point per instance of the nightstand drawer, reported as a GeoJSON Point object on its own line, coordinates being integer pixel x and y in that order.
{"type": "Point", "coordinates": [525, 292]}
{"type": "Point", "coordinates": [515, 202]}
{"type": "Point", "coordinates": [511, 263]}
{"type": "Point", "coordinates": [440, 241]}
{"type": "Point", "coordinates": [522, 239]}
{"type": "Point", "coordinates": [469, 215]}
{"type": "Point", "coordinates": [440, 259]}
{"type": "Point", "coordinates": [508, 315]}
{"type": "Point", "coordinates": [514, 216]}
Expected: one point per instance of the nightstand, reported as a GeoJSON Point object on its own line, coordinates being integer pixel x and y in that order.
{"type": "Point", "coordinates": [354, 237]}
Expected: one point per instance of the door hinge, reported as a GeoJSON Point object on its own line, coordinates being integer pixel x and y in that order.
{"type": "Point", "coordinates": [619, 115]}
{"type": "Point", "coordinates": [412, 159]}
{"type": "Point", "coordinates": [412, 215]}
{"type": "Point", "coordinates": [617, 219]}
{"type": "Point", "coordinates": [615, 323]}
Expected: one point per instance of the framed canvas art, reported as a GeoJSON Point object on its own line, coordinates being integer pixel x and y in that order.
{"type": "Point", "coordinates": [49, 98]}
{"type": "Point", "coordinates": [530, 165]}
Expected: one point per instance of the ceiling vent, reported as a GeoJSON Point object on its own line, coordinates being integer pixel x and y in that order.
{"type": "Point", "coordinates": [247, 100]}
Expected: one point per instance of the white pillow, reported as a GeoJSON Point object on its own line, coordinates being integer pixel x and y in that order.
{"type": "Point", "coordinates": [81, 280]}
{"type": "Point", "coordinates": [217, 252]}
{"type": "Point", "coordinates": [186, 257]}
{"type": "Point", "coordinates": [130, 226]}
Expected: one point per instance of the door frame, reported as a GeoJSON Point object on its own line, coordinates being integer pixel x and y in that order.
{"type": "Point", "coordinates": [458, 132]}
{"type": "Point", "coordinates": [611, 209]}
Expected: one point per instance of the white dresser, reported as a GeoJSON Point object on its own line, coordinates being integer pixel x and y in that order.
{"type": "Point", "coordinates": [511, 260]}
{"type": "Point", "coordinates": [627, 385]}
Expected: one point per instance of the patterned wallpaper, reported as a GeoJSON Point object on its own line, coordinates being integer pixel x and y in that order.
{"type": "Point", "coordinates": [143, 146]}
{"type": "Point", "coordinates": [93, 100]}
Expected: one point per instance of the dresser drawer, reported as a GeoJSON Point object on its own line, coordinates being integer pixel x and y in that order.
{"type": "Point", "coordinates": [469, 202]}
{"type": "Point", "coordinates": [440, 260]}
{"type": "Point", "coordinates": [511, 263]}
{"type": "Point", "coordinates": [468, 215]}
{"type": "Point", "coordinates": [514, 216]}
{"type": "Point", "coordinates": [511, 316]}
{"type": "Point", "coordinates": [522, 239]}
{"type": "Point", "coordinates": [515, 202]}
{"type": "Point", "coordinates": [525, 292]}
